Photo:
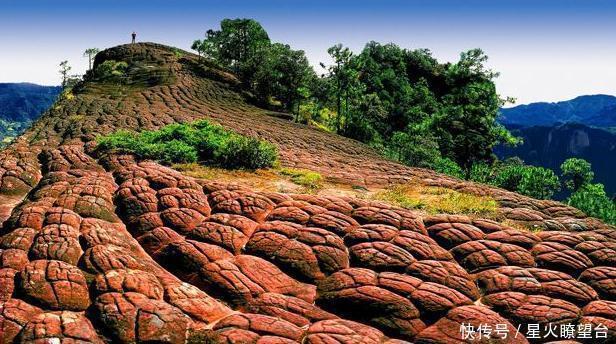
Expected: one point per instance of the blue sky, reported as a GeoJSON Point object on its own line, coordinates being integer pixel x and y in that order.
{"type": "Point", "coordinates": [545, 50]}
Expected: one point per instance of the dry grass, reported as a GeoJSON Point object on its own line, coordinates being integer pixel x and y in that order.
{"type": "Point", "coordinates": [264, 179]}
{"type": "Point", "coordinates": [432, 200]}
{"type": "Point", "coordinates": [522, 226]}
{"type": "Point", "coordinates": [272, 179]}
{"type": "Point", "coordinates": [436, 200]}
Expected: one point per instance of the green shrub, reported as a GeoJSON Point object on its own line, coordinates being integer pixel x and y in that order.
{"type": "Point", "coordinates": [186, 143]}
{"type": "Point", "coordinates": [120, 140]}
{"type": "Point", "coordinates": [481, 173]}
{"type": "Point", "coordinates": [509, 177]}
{"type": "Point", "coordinates": [449, 167]}
{"type": "Point", "coordinates": [538, 182]}
{"type": "Point", "coordinates": [178, 152]}
{"type": "Point", "coordinates": [247, 152]}
{"type": "Point", "coordinates": [576, 173]}
{"type": "Point", "coordinates": [592, 199]}
{"type": "Point", "coordinates": [111, 69]}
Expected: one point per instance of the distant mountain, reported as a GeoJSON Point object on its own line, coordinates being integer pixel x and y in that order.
{"type": "Point", "coordinates": [594, 110]}
{"type": "Point", "coordinates": [20, 104]}
{"type": "Point", "coordinates": [25, 102]}
{"type": "Point", "coordinates": [549, 146]}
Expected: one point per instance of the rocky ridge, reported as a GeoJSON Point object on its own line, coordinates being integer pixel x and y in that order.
{"type": "Point", "coordinates": [97, 249]}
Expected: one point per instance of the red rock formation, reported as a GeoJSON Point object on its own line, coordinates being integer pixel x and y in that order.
{"type": "Point", "coordinates": [101, 249]}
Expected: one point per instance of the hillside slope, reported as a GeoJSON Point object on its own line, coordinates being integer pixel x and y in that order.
{"type": "Point", "coordinates": [109, 249]}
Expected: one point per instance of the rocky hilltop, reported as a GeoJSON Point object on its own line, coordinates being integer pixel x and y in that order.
{"type": "Point", "coordinates": [97, 249]}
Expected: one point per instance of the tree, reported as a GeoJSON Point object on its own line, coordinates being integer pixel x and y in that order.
{"type": "Point", "coordinates": [236, 45]}
{"type": "Point", "coordinates": [274, 72]}
{"type": "Point", "coordinates": [342, 74]}
{"type": "Point", "coordinates": [384, 96]}
{"type": "Point", "coordinates": [90, 53]}
{"type": "Point", "coordinates": [387, 90]}
{"type": "Point", "coordinates": [576, 173]}
{"type": "Point", "coordinates": [197, 46]}
{"type": "Point", "coordinates": [467, 123]}
{"type": "Point", "coordinates": [284, 74]}
{"type": "Point", "coordinates": [64, 72]}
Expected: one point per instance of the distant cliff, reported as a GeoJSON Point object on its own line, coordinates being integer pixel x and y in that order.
{"type": "Point", "coordinates": [550, 146]}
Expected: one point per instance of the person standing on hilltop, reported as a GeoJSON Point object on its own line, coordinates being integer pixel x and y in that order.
{"type": "Point", "coordinates": [134, 35]}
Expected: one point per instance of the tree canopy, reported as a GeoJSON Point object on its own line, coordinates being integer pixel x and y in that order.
{"type": "Point", "coordinates": [405, 102]}
{"type": "Point", "coordinates": [275, 73]}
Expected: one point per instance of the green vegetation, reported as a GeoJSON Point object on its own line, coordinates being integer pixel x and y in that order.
{"type": "Point", "coordinates": [537, 182]}
{"type": "Point", "coordinates": [309, 179]}
{"type": "Point", "coordinates": [542, 183]}
{"type": "Point", "coordinates": [273, 72]}
{"type": "Point", "coordinates": [592, 199]}
{"type": "Point", "coordinates": [514, 175]}
{"type": "Point", "coordinates": [586, 196]}
{"type": "Point", "coordinates": [9, 130]}
{"type": "Point", "coordinates": [110, 69]}
{"type": "Point", "coordinates": [404, 102]}
{"type": "Point", "coordinates": [576, 173]}
{"type": "Point", "coordinates": [197, 141]}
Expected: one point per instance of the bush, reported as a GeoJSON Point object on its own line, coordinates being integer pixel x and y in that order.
{"type": "Point", "coordinates": [177, 151]}
{"type": "Point", "coordinates": [481, 173]}
{"type": "Point", "coordinates": [509, 177]}
{"type": "Point", "coordinates": [449, 167]}
{"type": "Point", "coordinates": [576, 173]}
{"type": "Point", "coordinates": [187, 143]}
{"type": "Point", "coordinates": [592, 199]}
{"type": "Point", "coordinates": [247, 152]}
{"type": "Point", "coordinates": [120, 140]}
{"type": "Point", "coordinates": [111, 69]}
{"type": "Point", "coordinates": [537, 182]}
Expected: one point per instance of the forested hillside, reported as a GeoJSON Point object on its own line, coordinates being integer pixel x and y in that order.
{"type": "Point", "coordinates": [20, 104]}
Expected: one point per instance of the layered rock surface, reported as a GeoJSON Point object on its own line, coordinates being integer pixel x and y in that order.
{"type": "Point", "coordinates": [99, 249]}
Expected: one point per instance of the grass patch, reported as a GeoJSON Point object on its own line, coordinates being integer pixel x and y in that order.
{"type": "Point", "coordinates": [77, 118]}
{"type": "Point", "coordinates": [189, 143]}
{"type": "Point", "coordinates": [309, 179]}
{"type": "Point", "coordinates": [436, 200]}
{"type": "Point", "coordinates": [522, 226]}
